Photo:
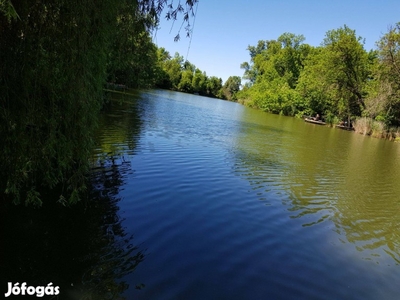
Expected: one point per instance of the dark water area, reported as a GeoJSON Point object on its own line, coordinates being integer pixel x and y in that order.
{"type": "Point", "coordinates": [198, 198]}
{"type": "Point", "coordinates": [84, 249]}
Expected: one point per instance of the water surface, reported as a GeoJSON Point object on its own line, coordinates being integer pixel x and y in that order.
{"type": "Point", "coordinates": [197, 198]}
{"type": "Point", "coordinates": [233, 203]}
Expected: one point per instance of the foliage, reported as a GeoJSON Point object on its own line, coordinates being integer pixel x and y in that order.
{"type": "Point", "coordinates": [133, 57]}
{"type": "Point", "coordinates": [348, 68]}
{"type": "Point", "coordinates": [273, 74]}
{"type": "Point", "coordinates": [231, 87]}
{"type": "Point", "coordinates": [52, 91]}
{"type": "Point", "coordinates": [339, 79]}
{"type": "Point", "coordinates": [199, 82]}
{"type": "Point", "coordinates": [384, 101]}
{"type": "Point", "coordinates": [56, 57]}
{"type": "Point", "coordinates": [214, 87]}
{"type": "Point", "coordinates": [314, 84]}
{"type": "Point", "coordinates": [8, 10]}
{"type": "Point", "coordinates": [179, 75]}
{"type": "Point", "coordinates": [173, 71]}
{"type": "Point", "coordinates": [185, 84]}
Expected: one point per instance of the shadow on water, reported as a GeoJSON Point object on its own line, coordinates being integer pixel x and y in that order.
{"type": "Point", "coordinates": [83, 249]}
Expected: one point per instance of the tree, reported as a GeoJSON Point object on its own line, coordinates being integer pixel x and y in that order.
{"type": "Point", "coordinates": [251, 69]}
{"type": "Point", "coordinates": [315, 85]}
{"type": "Point", "coordinates": [274, 72]}
{"type": "Point", "coordinates": [348, 67]}
{"type": "Point", "coordinates": [163, 80]}
{"type": "Point", "coordinates": [214, 87]}
{"type": "Point", "coordinates": [185, 84]}
{"type": "Point", "coordinates": [335, 76]}
{"type": "Point", "coordinates": [231, 87]}
{"type": "Point", "coordinates": [290, 63]}
{"type": "Point", "coordinates": [133, 56]}
{"type": "Point", "coordinates": [177, 74]}
{"type": "Point", "coordinates": [199, 82]}
{"type": "Point", "coordinates": [384, 101]}
{"type": "Point", "coordinates": [173, 68]}
{"type": "Point", "coordinates": [54, 57]}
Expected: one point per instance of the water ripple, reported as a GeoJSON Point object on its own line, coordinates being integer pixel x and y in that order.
{"type": "Point", "coordinates": [232, 203]}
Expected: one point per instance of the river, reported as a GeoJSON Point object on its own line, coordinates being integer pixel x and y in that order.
{"type": "Point", "coordinates": [201, 198]}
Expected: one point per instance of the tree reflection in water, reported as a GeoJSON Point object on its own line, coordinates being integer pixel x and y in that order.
{"type": "Point", "coordinates": [327, 176]}
{"type": "Point", "coordinates": [82, 249]}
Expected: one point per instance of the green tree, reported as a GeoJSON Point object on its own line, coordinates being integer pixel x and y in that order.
{"type": "Point", "coordinates": [185, 84]}
{"type": "Point", "coordinates": [162, 79]}
{"type": "Point", "coordinates": [199, 82]}
{"type": "Point", "coordinates": [348, 68]}
{"type": "Point", "coordinates": [54, 58]}
{"type": "Point", "coordinates": [133, 59]}
{"type": "Point", "coordinates": [335, 78]}
{"type": "Point", "coordinates": [384, 99]}
{"type": "Point", "coordinates": [290, 62]}
{"type": "Point", "coordinates": [274, 73]}
{"type": "Point", "coordinates": [53, 69]}
{"type": "Point", "coordinates": [231, 87]}
{"type": "Point", "coordinates": [173, 68]}
{"type": "Point", "coordinates": [214, 87]}
{"type": "Point", "coordinates": [250, 69]}
{"type": "Point", "coordinates": [177, 74]}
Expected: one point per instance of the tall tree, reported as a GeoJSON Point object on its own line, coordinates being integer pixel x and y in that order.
{"type": "Point", "coordinates": [348, 67]}
{"type": "Point", "coordinates": [199, 82]}
{"type": "Point", "coordinates": [185, 84]}
{"type": "Point", "coordinates": [173, 67]}
{"type": "Point", "coordinates": [163, 80]}
{"type": "Point", "coordinates": [315, 85]}
{"type": "Point", "coordinates": [54, 57]}
{"type": "Point", "coordinates": [133, 57]}
{"type": "Point", "coordinates": [251, 71]}
{"type": "Point", "coordinates": [214, 87]}
{"type": "Point", "coordinates": [384, 101]}
{"type": "Point", "coordinates": [276, 66]}
{"type": "Point", "coordinates": [231, 87]}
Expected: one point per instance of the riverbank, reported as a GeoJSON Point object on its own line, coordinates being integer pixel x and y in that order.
{"type": "Point", "coordinates": [378, 129]}
{"type": "Point", "coordinates": [362, 125]}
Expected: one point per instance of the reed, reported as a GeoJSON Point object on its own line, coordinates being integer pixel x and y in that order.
{"type": "Point", "coordinates": [363, 126]}
{"type": "Point", "coordinates": [397, 135]}
{"type": "Point", "coordinates": [393, 134]}
{"type": "Point", "coordinates": [378, 129]}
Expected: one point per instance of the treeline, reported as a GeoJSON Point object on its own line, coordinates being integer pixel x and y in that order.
{"type": "Point", "coordinates": [180, 75]}
{"type": "Point", "coordinates": [339, 80]}
{"type": "Point", "coordinates": [177, 74]}
{"type": "Point", "coordinates": [56, 58]}
{"type": "Point", "coordinates": [138, 62]}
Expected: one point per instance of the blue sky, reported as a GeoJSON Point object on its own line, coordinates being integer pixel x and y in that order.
{"type": "Point", "coordinates": [223, 29]}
